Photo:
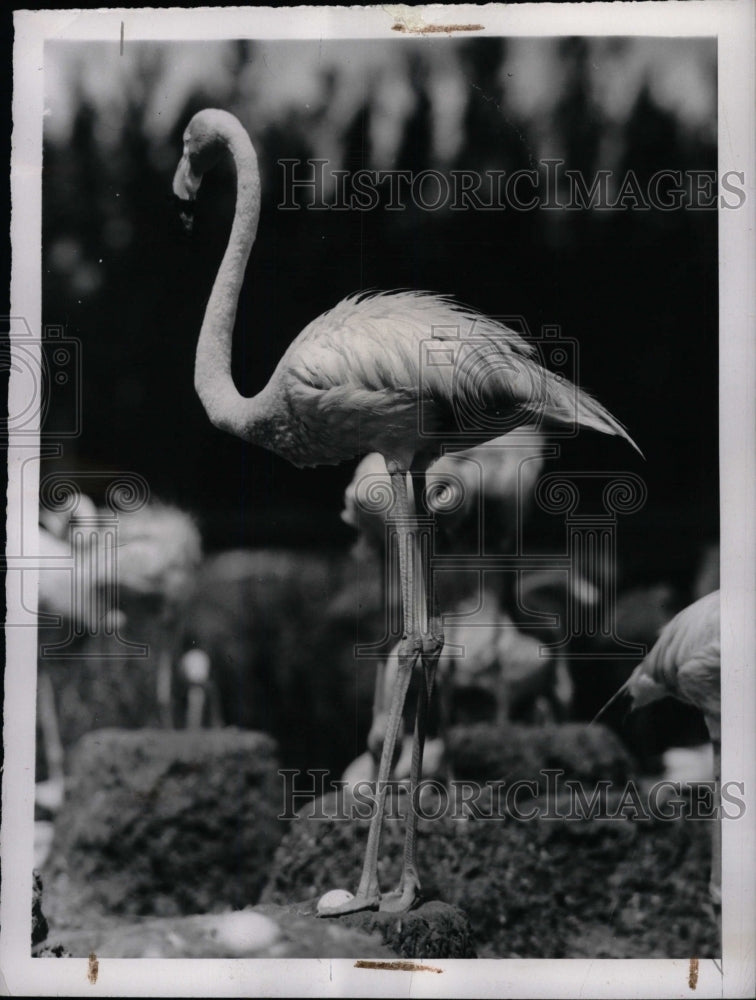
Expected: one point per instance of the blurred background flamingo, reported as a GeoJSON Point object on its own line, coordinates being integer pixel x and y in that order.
{"type": "Point", "coordinates": [490, 668]}
{"type": "Point", "coordinates": [685, 663]}
{"type": "Point", "coordinates": [99, 593]}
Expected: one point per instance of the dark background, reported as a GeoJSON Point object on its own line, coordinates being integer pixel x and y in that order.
{"type": "Point", "coordinates": [636, 289]}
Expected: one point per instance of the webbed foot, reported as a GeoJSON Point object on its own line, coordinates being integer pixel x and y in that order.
{"type": "Point", "coordinates": [402, 899]}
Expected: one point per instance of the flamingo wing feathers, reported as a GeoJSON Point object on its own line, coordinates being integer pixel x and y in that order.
{"type": "Point", "coordinates": [354, 378]}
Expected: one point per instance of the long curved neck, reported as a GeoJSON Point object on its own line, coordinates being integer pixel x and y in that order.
{"type": "Point", "coordinates": [224, 405]}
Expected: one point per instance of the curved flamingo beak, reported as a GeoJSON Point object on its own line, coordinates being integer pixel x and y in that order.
{"type": "Point", "coordinates": [185, 186]}
{"type": "Point", "coordinates": [185, 181]}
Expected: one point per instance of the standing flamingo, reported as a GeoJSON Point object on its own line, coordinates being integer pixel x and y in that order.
{"type": "Point", "coordinates": [408, 374]}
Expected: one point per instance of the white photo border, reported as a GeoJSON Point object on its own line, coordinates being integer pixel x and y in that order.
{"type": "Point", "coordinates": [732, 22]}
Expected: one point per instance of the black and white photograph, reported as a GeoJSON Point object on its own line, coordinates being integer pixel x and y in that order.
{"type": "Point", "coordinates": [380, 551]}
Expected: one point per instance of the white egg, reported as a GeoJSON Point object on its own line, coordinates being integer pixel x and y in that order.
{"type": "Point", "coordinates": [334, 898]}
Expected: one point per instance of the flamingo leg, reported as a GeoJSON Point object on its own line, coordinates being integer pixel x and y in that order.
{"type": "Point", "coordinates": [377, 734]}
{"type": "Point", "coordinates": [164, 685]}
{"type": "Point", "coordinates": [169, 638]}
{"type": "Point", "coordinates": [408, 890]}
{"type": "Point", "coordinates": [379, 697]}
{"type": "Point", "coordinates": [410, 649]}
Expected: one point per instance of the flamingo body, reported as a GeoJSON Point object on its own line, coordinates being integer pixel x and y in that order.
{"type": "Point", "coordinates": [353, 379]}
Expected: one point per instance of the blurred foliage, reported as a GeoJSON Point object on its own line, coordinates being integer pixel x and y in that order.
{"type": "Point", "coordinates": [636, 289]}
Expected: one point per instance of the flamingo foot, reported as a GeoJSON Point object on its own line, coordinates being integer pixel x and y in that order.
{"type": "Point", "coordinates": [402, 899]}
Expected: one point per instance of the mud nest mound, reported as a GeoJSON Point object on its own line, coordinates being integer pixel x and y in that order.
{"type": "Point", "coordinates": [560, 883]}
{"type": "Point", "coordinates": [432, 930]}
{"type": "Point", "coordinates": [502, 754]}
{"type": "Point", "coordinates": [164, 823]}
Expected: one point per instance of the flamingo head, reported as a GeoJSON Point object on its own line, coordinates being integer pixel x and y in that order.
{"type": "Point", "coordinates": [205, 138]}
